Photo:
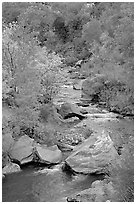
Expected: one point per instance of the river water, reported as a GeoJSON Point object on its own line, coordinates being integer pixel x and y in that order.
{"type": "Point", "coordinates": [38, 184]}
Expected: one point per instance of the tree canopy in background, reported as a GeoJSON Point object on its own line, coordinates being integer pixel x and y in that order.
{"type": "Point", "coordinates": [39, 36]}
{"type": "Point", "coordinates": [42, 43]}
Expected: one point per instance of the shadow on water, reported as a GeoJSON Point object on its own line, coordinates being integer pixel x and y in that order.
{"type": "Point", "coordinates": [42, 184]}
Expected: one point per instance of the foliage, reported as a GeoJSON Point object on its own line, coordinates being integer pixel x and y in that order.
{"type": "Point", "coordinates": [16, 55]}
{"type": "Point", "coordinates": [38, 36]}
{"type": "Point", "coordinates": [102, 33]}
{"type": "Point", "coordinates": [12, 10]}
{"type": "Point", "coordinates": [113, 56]}
{"type": "Point", "coordinates": [29, 72]}
{"type": "Point", "coordinates": [122, 173]}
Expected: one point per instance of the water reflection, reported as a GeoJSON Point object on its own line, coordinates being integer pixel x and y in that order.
{"type": "Point", "coordinates": [43, 185]}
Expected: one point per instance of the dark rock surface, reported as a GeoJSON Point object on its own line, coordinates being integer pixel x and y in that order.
{"type": "Point", "coordinates": [68, 110]}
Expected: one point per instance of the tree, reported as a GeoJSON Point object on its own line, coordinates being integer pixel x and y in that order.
{"type": "Point", "coordinates": [92, 31]}
{"type": "Point", "coordinates": [29, 72]}
{"type": "Point", "coordinates": [12, 10]}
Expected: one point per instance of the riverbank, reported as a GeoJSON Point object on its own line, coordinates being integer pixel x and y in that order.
{"type": "Point", "coordinates": [73, 132]}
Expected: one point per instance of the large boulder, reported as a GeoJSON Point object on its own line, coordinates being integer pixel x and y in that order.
{"type": "Point", "coordinates": [94, 155]}
{"type": "Point", "coordinates": [11, 168]}
{"type": "Point", "coordinates": [47, 155]}
{"type": "Point", "coordinates": [48, 113]}
{"type": "Point", "coordinates": [26, 150]}
{"type": "Point", "coordinates": [22, 150]}
{"type": "Point", "coordinates": [100, 191]}
{"type": "Point", "coordinates": [68, 110]}
{"type": "Point", "coordinates": [7, 142]}
{"type": "Point", "coordinates": [91, 87]}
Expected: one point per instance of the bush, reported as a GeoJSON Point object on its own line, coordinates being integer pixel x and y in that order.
{"type": "Point", "coordinates": [118, 92]}
{"type": "Point", "coordinates": [117, 98]}
{"type": "Point", "coordinates": [30, 72]}
{"type": "Point", "coordinates": [122, 174]}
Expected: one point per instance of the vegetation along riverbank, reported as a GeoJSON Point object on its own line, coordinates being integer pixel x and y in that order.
{"type": "Point", "coordinates": [68, 100]}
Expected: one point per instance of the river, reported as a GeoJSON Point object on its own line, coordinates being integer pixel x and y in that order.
{"type": "Point", "coordinates": [40, 184]}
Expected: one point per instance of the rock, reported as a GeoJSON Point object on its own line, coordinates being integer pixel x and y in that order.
{"type": "Point", "coordinates": [49, 114]}
{"type": "Point", "coordinates": [94, 155]}
{"type": "Point", "coordinates": [83, 111]}
{"type": "Point", "coordinates": [100, 191]}
{"type": "Point", "coordinates": [83, 75]}
{"type": "Point", "coordinates": [5, 159]}
{"type": "Point", "coordinates": [91, 87]}
{"type": "Point", "coordinates": [68, 110]}
{"type": "Point", "coordinates": [77, 85]}
{"type": "Point", "coordinates": [74, 75]}
{"type": "Point", "coordinates": [85, 100]}
{"type": "Point", "coordinates": [48, 155]}
{"type": "Point", "coordinates": [79, 63]}
{"type": "Point", "coordinates": [82, 104]}
{"type": "Point", "coordinates": [7, 142]}
{"type": "Point", "coordinates": [64, 147]}
{"type": "Point", "coordinates": [11, 168]}
{"type": "Point", "coordinates": [22, 151]}
{"type": "Point", "coordinates": [3, 176]}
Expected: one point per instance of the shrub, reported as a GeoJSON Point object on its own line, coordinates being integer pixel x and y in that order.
{"type": "Point", "coordinates": [122, 174]}
{"type": "Point", "coordinates": [34, 73]}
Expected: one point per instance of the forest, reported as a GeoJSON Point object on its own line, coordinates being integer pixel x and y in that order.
{"type": "Point", "coordinates": [41, 41]}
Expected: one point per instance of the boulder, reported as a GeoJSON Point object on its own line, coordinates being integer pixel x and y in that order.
{"type": "Point", "coordinates": [68, 110]}
{"type": "Point", "coordinates": [91, 87]}
{"type": "Point", "coordinates": [93, 155]}
{"type": "Point", "coordinates": [7, 142]}
{"type": "Point", "coordinates": [5, 159]}
{"type": "Point", "coordinates": [48, 155]}
{"type": "Point", "coordinates": [64, 147]}
{"type": "Point", "coordinates": [77, 85]}
{"type": "Point", "coordinates": [22, 151]}
{"type": "Point", "coordinates": [48, 113]}
{"type": "Point", "coordinates": [100, 191]}
{"type": "Point", "coordinates": [11, 168]}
